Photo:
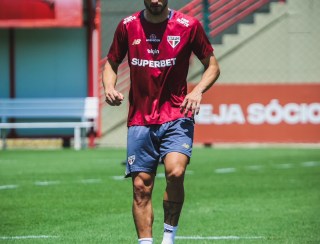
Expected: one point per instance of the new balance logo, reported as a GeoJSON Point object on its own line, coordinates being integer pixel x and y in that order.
{"type": "Point", "coordinates": [136, 42]}
{"type": "Point", "coordinates": [186, 146]}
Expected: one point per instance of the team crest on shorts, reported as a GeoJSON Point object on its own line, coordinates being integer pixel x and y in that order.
{"type": "Point", "coordinates": [173, 40]}
{"type": "Point", "coordinates": [131, 159]}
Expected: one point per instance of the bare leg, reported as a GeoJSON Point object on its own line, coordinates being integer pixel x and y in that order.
{"type": "Point", "coordinates": [175, 166]}
{"type": "Point", "coordinates": [142, 206]}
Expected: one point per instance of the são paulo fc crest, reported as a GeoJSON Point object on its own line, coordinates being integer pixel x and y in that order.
{"type": "Point", "coordinates": [131, 159]}
{"type": "Point", "coordinates": [173, 40]}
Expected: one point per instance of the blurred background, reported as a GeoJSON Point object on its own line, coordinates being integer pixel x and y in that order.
{"type": "Point", "coordinates": [268, 51]}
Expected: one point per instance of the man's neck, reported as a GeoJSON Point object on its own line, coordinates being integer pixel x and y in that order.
{"type": "Point", "coordinates": [156, 18]}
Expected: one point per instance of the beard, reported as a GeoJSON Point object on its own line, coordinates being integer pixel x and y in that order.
{"type": "Point", "coordinates": [156, 9]}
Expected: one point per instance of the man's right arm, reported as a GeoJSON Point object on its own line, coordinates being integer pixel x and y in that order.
{"type": "Point", "coordinates": [109, 80]}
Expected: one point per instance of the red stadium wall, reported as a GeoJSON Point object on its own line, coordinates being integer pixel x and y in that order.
{"type": "Point", "coordinates": [40, 13]}
{"type": "Point", "coordinates": [259, 113]}
{"type": "Point", "coordinates": [29, 9]}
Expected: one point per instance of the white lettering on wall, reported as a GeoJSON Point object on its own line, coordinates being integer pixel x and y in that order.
{"type": "Point", "coordinates": [256, 113]}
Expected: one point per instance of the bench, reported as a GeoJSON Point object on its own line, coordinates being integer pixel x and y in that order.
{"type": "Point", "coordinates": [52, 113]}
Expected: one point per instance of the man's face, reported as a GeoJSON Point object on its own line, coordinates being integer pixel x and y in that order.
{"type": "Point", "coordinates": [155, 7]}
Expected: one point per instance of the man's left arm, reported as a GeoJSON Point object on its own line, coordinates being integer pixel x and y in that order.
{"type": "Point", "coordinates": [193, 99]}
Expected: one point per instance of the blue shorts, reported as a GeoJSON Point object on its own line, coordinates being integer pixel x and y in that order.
{"type": "Point", "coordinates": [148, 145]}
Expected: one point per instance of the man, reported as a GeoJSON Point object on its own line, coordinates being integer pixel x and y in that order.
{"type": "Point", "coordinates": [159, 42]}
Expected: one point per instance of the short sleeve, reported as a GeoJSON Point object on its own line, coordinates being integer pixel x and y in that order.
{"type": "Point", "coordinates": [119, 46]}
{"type": "Point", "coordinates": [200, 43]}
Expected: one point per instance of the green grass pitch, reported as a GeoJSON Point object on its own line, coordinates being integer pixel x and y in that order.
{"type": "Point", "coordinates": [265, 195]}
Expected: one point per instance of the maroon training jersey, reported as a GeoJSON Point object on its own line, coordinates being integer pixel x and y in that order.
{"type": "Point", "coordinates": [158, 56]}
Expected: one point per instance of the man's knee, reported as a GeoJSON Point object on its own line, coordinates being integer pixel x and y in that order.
{"type": "Point", "coordinates": [176, 174]}
{"type": "Point", "coordinates": [142, 189]}
{"type": "Point", "coordinates": [175, 165]}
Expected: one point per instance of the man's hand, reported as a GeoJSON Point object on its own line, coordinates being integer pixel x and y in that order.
{"type": "Point", "coordinates": [191, 103]}
{"type": "Point", "coordinates": [113, 97]}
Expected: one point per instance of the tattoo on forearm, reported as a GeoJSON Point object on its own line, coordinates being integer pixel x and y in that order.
{"type": "Point", "coordinates": [172, 212]}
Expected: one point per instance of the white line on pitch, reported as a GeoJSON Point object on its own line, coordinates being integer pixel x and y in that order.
{"type": "Point", "coordinates": [225, 170]}
{"type": "Point", "coordinates": [162, 175]}
{"type": "Point", "coordinates": [254, 167]}
{"type": "Point", "coordinates": [46, 183]}
{"type": "Point", "coordinates": [310, 164]}
{"type": "Point", "coordinates": [118, 177]}
{"type": "Point", "coordinates": [283, 166]}
{"type": "Point", "coordinates": [5, 187]}
{"type": "Point", "coordinates": [26, 237]}
{"type": "Point", "coordinates": [217, 237]}
{"type": "Point", "coordinates": [91, 181]}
